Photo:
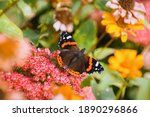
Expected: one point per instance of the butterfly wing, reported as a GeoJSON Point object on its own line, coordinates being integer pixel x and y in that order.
{"type": "Point", "coordinates": [66, 41]}
{"type": "Point", "coordinates": [74, 60]}
{"type": "Point", "coordinates": [93, 66]}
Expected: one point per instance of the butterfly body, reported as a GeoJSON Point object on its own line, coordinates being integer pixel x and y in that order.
{"type": "Point", "coordinates": [73, 59]}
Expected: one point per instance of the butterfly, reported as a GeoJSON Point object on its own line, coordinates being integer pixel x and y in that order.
{"type": "Point", "coordinates": [73, 59]}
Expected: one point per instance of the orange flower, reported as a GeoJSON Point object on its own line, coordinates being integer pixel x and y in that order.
{"type": "Point", "coordinates": [65, 92]}
{"type": "Point", "coordinates": [127, 62]}
{"type": "Point", "coordinates": [12, 51]}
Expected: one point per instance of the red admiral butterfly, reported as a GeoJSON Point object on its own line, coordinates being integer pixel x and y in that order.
{"type": "Point", "coordinates": [74, 59]}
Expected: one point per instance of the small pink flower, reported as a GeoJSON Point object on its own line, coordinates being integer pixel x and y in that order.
{"type": "Point", "coordinates": [6, 94]}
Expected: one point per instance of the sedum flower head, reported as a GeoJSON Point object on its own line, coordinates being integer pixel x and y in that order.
{"type": "Point", "coordinates": [131, 12]}
{"type": "Point", "coordinates": [127, 62]}
{"type": "Point", "coordinates": [119, 28]}
{"type": "Point", "coordinates": [6, 94]}
{"type": "Point", "coordinates": [40, 73]}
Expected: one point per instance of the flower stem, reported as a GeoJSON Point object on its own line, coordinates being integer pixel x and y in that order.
{"type": "Point", "coordinates": [13, 2]}
{"type": "Point", "coordinates": [98, 40]}
{"type": "Point", "coordinates": [106, 45]}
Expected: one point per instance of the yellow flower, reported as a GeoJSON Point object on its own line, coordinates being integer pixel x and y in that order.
{"type": "Point", "coordinates": [119, 28]}
{"type": "Point", "coordinates": [127, 62]}
{"type": "Point", "coordinates": [65, 92]}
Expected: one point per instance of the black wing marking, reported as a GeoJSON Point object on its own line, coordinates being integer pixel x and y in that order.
{"type": "Point", "coordinates": [64, 38]}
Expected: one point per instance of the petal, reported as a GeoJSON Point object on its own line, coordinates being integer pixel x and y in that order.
{"type": "Point", "coordinates": [112, 28]}
{"type": "Point", "coordinates": [136, 27]}
{"type": "Point", "coordinates": [114, 63]}
{"type": "Point", "coordinates": [57, 25]}
{"type": "Point", "coordinates": [63, 27]}
{"type": "Point", "coordinates": [139, 61]}
{"type": "Point", "coordinates": [126, 20]}
{"type": "Point", "coordinates": [139, 7]}
{"type": "Point", "coordinates": [116, 14]}
{"type": "Point", "coordinates": [133, 21]}
{"type": "Point", "coordinates": [124, 37]}
{"type": "Point", "coordinates": [130, 55]}
{"type": "Point", "coordinates": [123, 12]}
{"type": "Point", "coordinates": [119, 56]}
{"type": "Point", "coordinates": [107, 16]}
{"type": "Point", "coordinates": [115, 1]}
{"type": "Point", "coordinates": [111, 5]}
{"type": "Point", "coordinates": [70, 27]}
{"type": "Point", "coordinates": [106, 22]}
{"type": "Point", "coordinates": [135, 73]}
{"type": "Point", "coordinates": [138, 15]}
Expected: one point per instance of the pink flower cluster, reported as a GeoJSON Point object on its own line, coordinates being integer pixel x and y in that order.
{"type": "Point", "coordinates": [39, 74]}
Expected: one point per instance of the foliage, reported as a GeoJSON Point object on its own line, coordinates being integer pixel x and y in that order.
{"type": "Point", "coordinates": [34, 19]}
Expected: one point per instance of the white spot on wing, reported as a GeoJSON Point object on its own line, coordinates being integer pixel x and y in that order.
{"type": "Point", "coordinates": [97, 63]}
{"type": "Point", "coordinates": [96, 69]}
{"type": "Point", "coordinates": [69, 37]}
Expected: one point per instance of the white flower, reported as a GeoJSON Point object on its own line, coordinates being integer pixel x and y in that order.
{"type": "Point", "coordinates": [131, 15]}
{"type": "Point", "coordinates": [63, 19]}
{"type": "Point", "coordinates": [63, 27]}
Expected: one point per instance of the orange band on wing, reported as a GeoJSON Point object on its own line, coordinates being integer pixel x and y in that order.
{"type": "Point", "coordinates": [90, 64]}
{"type": "Point", "coordinates": [59, 59]}
{"type": "Point", "coordinates": [68, 43]}
{"type": "Point", "coordinates": [74, 73]}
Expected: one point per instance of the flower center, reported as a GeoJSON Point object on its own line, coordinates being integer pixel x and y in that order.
{"type": "Point", "coordinates": [121, 23]}
{"type": "Point", "coordinates": [64, 15]}
{"type": "Point", "coordinates": [127, 4]}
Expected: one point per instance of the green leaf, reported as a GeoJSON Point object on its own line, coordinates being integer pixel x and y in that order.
{"type": "Point", "coordinates": [101, 5]}
{"type": "Point", "coordinates": [140, 87]}
{"type": "Point", "coordinates": [86, 10]}
{"type": "Point", "coordinates": [75, 11]}
{"type": "Point", "coordinates": [31, 34]}
{"type": "Point", "coordinates": [3, 4]}
{"type": "Point", "coordinates": [85, 35]}
{"type": "Point", "coordinates": [102, 93]}
{"type": "Point", "coordinates": [86, 82]}
{"type": "Point", "coordinates": [109, 82]}
{"type": "Point", "coordinates": [76, 6]}
{"type": "Point", "coordinates": [43, 43]}
{"type": "Point", "coordinates": [101, 53]}
{"type": "Point", "coordinates": [8, 27]}
{"type": "Point", "coordinates": [26, 9]}
{"type": "Point", "coordinates": [47, 18]}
